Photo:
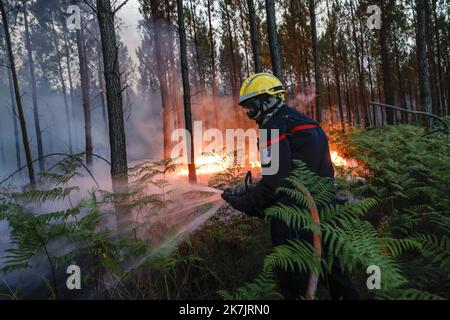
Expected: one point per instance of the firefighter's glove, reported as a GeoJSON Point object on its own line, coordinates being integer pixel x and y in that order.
{"type": "Point", "coordinates": [237, 192]}
{"type": "Point", "coordinates": [237, 202]}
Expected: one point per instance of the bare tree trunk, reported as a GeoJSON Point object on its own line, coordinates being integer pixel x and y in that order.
{"type": "Point", "coordinates": [254, 36]}
{"type": "Point", "coordinates": [69, 76]}
{"type": "Point", "coordinates": [400, 80]}
{"type": "Point", "coordinates": [243, 27]}
{"type": "Point", "coordinates": [37, 123]}
{"type": "Point", "coordinates": [23, 125]}
{"type": "Point", "coordinates": [330, 106]}
{"type": "Point", "coordinates": [435, 105]}
{"type": "Point", "coordinates": [2, 150]}
{"type": "Point", "coordinates": [336, 72]}
{"type": "Point", "coordinates": [102, 87]}
{"type": "Point", "coordinates": [385, 60]}
{"type": "Point", "coordinates": [369, 64]}
{"type": "Point", "coordinates": [14, 116]}
{"type": "Point", "coordinates": [232, 57]}
{"type": "Point", "coordinates": [440, 88]}
{"type": "Point", "coordinates": [423, 62]}
{"type": "Point", "coordinates": [273, 38]}
{"type": "Point", "coordinates": [64, 88]}
{"type": "Point", "coordinates": [312, 16]}
{"type": "Point", "coordinates": [117, 141]}
{"type": "Point", "coordinates": [213, 65]}
{"type": "Point", "coordinates": [359, 54]}
{"type": "Point", "coordinates": [84, 78]}
{"type": "Point", "coordinates": [162, 78]}
{"type": "Point", "coordinates": [201, 74]}
{"type": "Point", "coordinates": [186, 91]}
{"type": "Point", "coordinates": [447, 59]}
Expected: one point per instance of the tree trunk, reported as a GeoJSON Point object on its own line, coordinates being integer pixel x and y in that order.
{"type": "Point", "coordinates": [37, 123]}
{"type": "Point", "coordinates": [186, 91]}
{"type": "Point", "coordinates": [254, 36]}
{"type": "Point", "coordinates": [312, 15]}
{"type": "Point", "coordinates": [440, 88]}
{"type": "Point", "coordinates": [244, 36]}
{"type": "Point", "coordinates": [423, 62]}
{"type": "Point", "coordinates": [447, 59]}
{"type": "Point", "coordinates": [213, 65]}
{"type": "Point", "coordinates": [359, 54]}
{"type": "Point", "coordinates": [21, 115]}
{"type": "Point", "coordinates": [14, 117]}
{"type": "Point", "coordinates": [273, 38]}
{"type": "Point", "coordinates": [101, 87]}
{"type": "Point", "coordinates": [84, 78]}
{"type": "Point", "coordinates": [234, 89]}
{"type": "Point", "coordinates": [63, 85]}
{"type": "Point", "coordinates": [385, 60]}
{"type": "Point", "coordinates": [2, 151]}
{"type": "Point", "coordinates": [201, 74]}
{"type": "Point", "coordinates": [435, 105]}
{"type": "Point", "coordinates": [401, 88]}
{"type": "Point", "coordinates": [117, 141]}
{"type": "Point", "coordinates": [69, 76]}
{"type": "Point", "coordinates": [336, 72]}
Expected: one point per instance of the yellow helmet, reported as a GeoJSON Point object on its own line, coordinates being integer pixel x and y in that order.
{"type": "Point", "coordinates": [261, 83]}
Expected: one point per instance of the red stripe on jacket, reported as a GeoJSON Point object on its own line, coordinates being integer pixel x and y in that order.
{"type": "Point", "coordinates": [295, 129]}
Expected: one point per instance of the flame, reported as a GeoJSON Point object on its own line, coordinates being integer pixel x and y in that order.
{"type": "Point", "coordinates": [213, 163]}
{"type": "Point", "coordinates": [338, 160]}
{"type": "Point", "coordinates": [207, 164]}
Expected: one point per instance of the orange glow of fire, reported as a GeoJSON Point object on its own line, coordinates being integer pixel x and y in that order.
{"type": "Point", "coordinates": [207, 164]}
{"type": "Point", "coordinates": [211, 164]}
{"type": "Point", "coordinates": [338, 160]}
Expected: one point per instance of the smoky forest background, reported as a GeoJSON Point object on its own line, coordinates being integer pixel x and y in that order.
{"type": "Point", "coordinates": [91, 92]}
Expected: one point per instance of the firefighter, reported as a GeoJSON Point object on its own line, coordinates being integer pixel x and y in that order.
{"type": "Point", "coordinates": [262, 96]}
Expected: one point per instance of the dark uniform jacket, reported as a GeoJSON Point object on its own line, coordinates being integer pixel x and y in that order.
{"type": "Point", "coordinates": [300, 138]}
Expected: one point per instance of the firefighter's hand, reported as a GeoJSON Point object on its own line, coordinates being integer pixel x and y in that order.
{"type": "Point", "coordinates": [238, 191]}
{"type": "Point", "coordinates": [237, 202]}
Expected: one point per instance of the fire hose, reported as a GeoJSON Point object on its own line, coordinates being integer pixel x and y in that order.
{"type": "Point", "coordinates": [317, 242]}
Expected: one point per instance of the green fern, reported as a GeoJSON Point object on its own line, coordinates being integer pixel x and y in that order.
{"type": "Point", "coordinates": [262, 288]}
{"type": "Point", "coordinates": [55, 194]}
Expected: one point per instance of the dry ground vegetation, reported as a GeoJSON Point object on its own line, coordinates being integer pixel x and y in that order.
{"type": "Point", "coordinates": [395, 215]}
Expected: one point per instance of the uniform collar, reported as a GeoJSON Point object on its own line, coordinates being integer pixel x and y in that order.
{"type": "Point", "coordinates": [277, 114]}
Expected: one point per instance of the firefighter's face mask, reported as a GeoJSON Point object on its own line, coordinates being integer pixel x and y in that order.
{"type": "Point", "coordinates": [259, 107]}
{"type": "Point", "coordinates": [253, 108]}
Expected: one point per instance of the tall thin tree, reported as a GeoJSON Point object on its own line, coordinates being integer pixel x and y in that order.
{"type": "Point", "coordinates": [119, 166]}
{"type": "Point", "coordinates": [312, 15]}
{"type": "Point", "coordinates": [273, 38]}
{"type": "Point", "coordinates": [85, 93]}
{"type": "Point", "coordinates": [254, 35]}
{"type": "Point", "coordinates": [213, 62]}
{"type": "Point", "coordinates": [186, 91]}
{"type": "Point", "coordinates": [423, 62]}
{"type": "Point", "coordinates": [386, 20]}
{"type": "Point", "coordinates": [63, 84]}
{"type": "Point", "coordinates": [21, 115]}
{"type": "Point", "coordinates": [14, 114]}
{"type": "Point", "coordinates": [37, 122]}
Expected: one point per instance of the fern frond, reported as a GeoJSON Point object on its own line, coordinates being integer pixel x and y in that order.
{"type": "Point", "coordinates": [262, 288]}
{"type": "Point", "coordinates": [295, 255]}
{"type": "Point", "coordinates": [54, 194]}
